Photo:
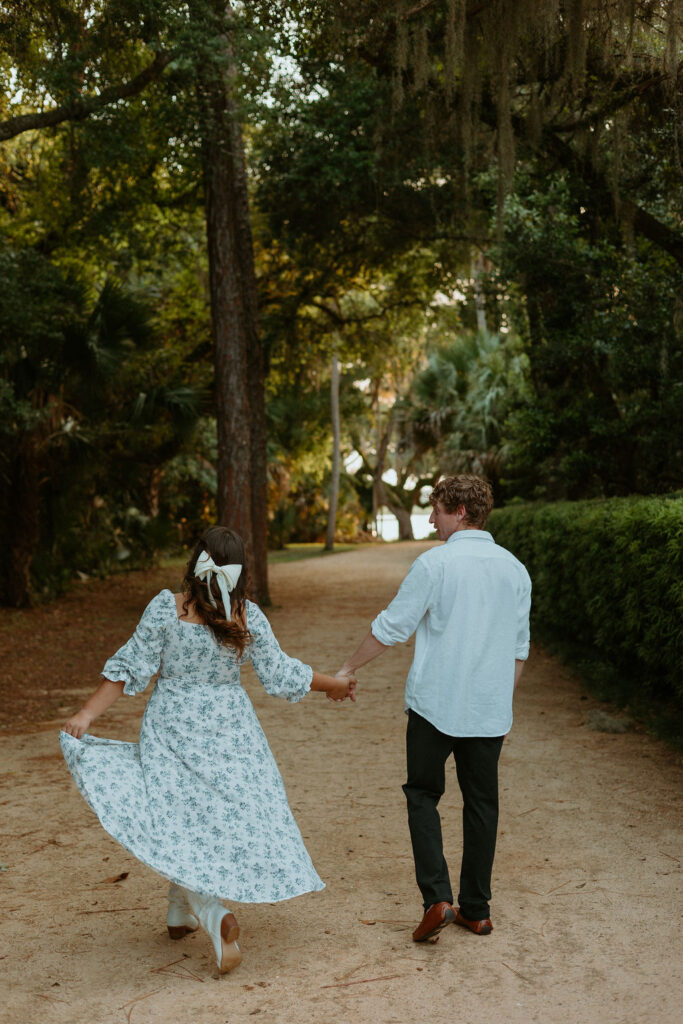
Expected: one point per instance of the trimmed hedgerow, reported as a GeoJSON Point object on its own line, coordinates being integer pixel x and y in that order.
{"type": "Point", "coordinates": [608, 594]}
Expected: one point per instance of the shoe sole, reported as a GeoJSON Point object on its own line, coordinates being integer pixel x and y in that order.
{"type": "Point", "coordinates": [179, 931]}
{"type": "Point", "coordinates": [484, 931]}
{"type": "Point", "coordinates": [449, 918]}
{"type": "Point", "coordinates": [231, 956]}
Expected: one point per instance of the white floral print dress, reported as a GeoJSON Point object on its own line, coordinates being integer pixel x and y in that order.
{"type": "Point", "coordinates": [199, 798]}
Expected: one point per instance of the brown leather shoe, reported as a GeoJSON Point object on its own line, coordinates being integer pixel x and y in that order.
{"type": "Point", "coordinates": [435, 918]}
{"type": "Point", "coordinates": [478, 927]}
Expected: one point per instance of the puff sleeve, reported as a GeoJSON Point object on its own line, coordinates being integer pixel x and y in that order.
{"type": "Point", "coordinates": [138, 660]}
{"type": "Point", "coordinates": [280, 675]}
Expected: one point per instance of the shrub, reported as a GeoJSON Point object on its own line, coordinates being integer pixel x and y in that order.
{"type": "Point", "coordinates": [608, 594]}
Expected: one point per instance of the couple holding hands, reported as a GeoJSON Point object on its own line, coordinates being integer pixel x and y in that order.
{"type": "Point", "coordinates": [200, 798]}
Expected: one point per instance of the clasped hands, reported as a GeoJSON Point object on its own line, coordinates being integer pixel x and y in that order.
{"type": "Point", "coordinates": [346, 688]}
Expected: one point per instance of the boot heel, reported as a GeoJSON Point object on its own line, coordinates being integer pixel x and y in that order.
{"type": "Point", "coordinates": [179, 920]}
{"type": "Point", "coordinates": [230, 930]}
{"type": "Point", "coordinates": [231, 955]}
{"type": "Point", "coordinates": [220, 925]}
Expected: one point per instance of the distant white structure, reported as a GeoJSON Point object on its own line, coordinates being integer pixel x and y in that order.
{"type": "Point", "coordinates": [387, 524]}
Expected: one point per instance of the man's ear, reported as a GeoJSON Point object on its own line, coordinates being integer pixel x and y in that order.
{"type": "Point", "coordinates": [461, 512]}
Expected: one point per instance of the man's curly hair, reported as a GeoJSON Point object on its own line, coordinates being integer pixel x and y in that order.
{"type": "Point", "coordinates": [474, 492]}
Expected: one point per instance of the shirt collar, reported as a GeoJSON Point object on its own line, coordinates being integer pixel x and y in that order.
{"type": "Point", "coordinates": [470, 535]}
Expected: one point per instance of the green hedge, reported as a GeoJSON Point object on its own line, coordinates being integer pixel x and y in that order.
{"type": "Point", "coordinates": [608, 594]}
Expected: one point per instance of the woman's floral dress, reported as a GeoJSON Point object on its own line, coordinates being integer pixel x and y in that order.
{"type": "Point", "coordinates": [199, 798]}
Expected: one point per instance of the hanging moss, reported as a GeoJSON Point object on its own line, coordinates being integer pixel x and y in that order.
{"type": "Point", "coordinates": [534, 121]}
{"type": "Point", "coordinates": [455, 31]}
{"type": "Point", "coordinates": [420, 56]}
{"type": "Point", "coordinates": [506, 138]}
{"type": "Point", "coordinates": [576, 43]}
{"type": "Point", "coordinates": [401, 59]}
{"type": "Point", "coordinates": [674, 16]}
{"type": "Point", "coordinates": [516, 66]}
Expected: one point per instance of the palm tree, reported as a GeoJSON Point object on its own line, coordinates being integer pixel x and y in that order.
{"type": "Point", "coordinates": [64, 402]}
{"type": "Point", "coordinates": [462, 399]}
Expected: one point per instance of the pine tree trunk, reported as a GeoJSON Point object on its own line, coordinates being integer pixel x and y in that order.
{"type": "Point", "coordinates": [336, 455]}
{"type": "Point", "coordinates": [239, 362]}
{"type": "Point", "coordinates": [228, 326]}
{"type": "Point", "coordinates": [256, 374]}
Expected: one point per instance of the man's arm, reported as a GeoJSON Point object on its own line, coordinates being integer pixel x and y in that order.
{"type": "Point", "coordinates": [519, 668]}
{"type": "Point", "coordinates": [369, 649]}
{"type": "Point", "coordinates": [398, 622]}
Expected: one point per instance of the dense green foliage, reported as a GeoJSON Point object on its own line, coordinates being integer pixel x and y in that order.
{"type": "Point", "coordinates": [603, 411]}
{"type": "Point", "coordinates": [476, 207]}
{"type": "Point", "coordinates": [608, 594]}
{"type": "Point", "coordinates": [545, 137]}
{"type": "Point", "coordinates": [91, 406]}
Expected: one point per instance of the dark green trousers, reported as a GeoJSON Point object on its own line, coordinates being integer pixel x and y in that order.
{"type": "Point", "coordinates": [476, 762]}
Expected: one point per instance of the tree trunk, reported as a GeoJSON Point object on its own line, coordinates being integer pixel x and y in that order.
{"type": "Point", "coordinates": [154, 492]}
{"type": "Point", "coordinates": [256, 374]}
{"type": "Point", "coordinates": [23, 523]}
{"type": "Point", "coordinates": [383, 439]}
{"type": "Point", "coordinates": [479, 300]}
{"type": "Point", "coordinates": [228, 326]}
{"type": "Point", "coordinates": [405, 525]}
{"type": "Point", "coordinates": [336, 455]}
{"type": "Point", "coordinates": [239, 363]}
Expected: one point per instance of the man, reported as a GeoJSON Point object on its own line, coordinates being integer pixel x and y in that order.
{"type": "Point", "coordinates": [468, 601]}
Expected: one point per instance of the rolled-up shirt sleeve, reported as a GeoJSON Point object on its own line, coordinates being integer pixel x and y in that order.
{"type": "Point", "coordinates": [398, 622]}
{"type": "Point", "coordinates": [523, 612]}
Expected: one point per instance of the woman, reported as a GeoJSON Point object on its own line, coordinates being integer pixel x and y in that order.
{"type": "Point", "coordinates": [200, 798]}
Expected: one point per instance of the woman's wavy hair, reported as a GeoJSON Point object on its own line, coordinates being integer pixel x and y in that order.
{"type": "Point", "coordinates": [229, 626]}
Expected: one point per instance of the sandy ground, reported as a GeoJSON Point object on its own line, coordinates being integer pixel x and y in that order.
{"type": "Point", "coordinates": [586, 882]}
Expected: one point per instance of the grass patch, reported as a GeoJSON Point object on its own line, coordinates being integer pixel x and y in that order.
{"type": "Point", "coordinates": [292, 553]}
{"type": "Point", "coordinates": [295, 552]}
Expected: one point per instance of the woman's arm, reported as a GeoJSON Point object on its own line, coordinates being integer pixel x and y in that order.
{"type": "Point", "coordinates": [103, 698]}
{"type": "Point", "coordinates": [336, 687]}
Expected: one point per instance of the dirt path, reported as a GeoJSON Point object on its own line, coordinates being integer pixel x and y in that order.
{"type": "Point", "coordinates": [586, 882]}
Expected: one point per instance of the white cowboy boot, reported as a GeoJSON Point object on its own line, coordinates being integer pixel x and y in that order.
{"type": "Point", "coordinates": [221, 926]}
{"type": "Point", "coordinates": [179, 920]}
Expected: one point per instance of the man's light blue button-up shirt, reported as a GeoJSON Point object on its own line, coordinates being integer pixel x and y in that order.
{"type": "Point", "coordinates": [468, 603]}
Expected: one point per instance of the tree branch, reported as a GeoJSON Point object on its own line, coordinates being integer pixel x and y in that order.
{"type": "Point", "coordinates": [563, 153]}
{"type": "Point", "coordinates": [374, 55]}
{"type": "Point", "coordinates": [341, 320]}
{"type": "Point", "coordinates": [81, 109]}
{"type": "Point", "coordinates": [470, 13]}
{"type": "Point", "coordinates": [643, 222]}
{"type": "Point", "coordinates": [615, 103]}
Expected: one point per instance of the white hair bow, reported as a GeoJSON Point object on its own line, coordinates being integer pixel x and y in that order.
{"type": "Point", "coordinates": [227, 576]}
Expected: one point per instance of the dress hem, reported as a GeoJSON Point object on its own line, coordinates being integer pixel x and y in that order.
{"type": "Point", "coordinates": [171, 877]}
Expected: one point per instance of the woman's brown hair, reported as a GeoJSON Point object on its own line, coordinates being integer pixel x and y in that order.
{"type": "Point", "coordinates": [229, 626]}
